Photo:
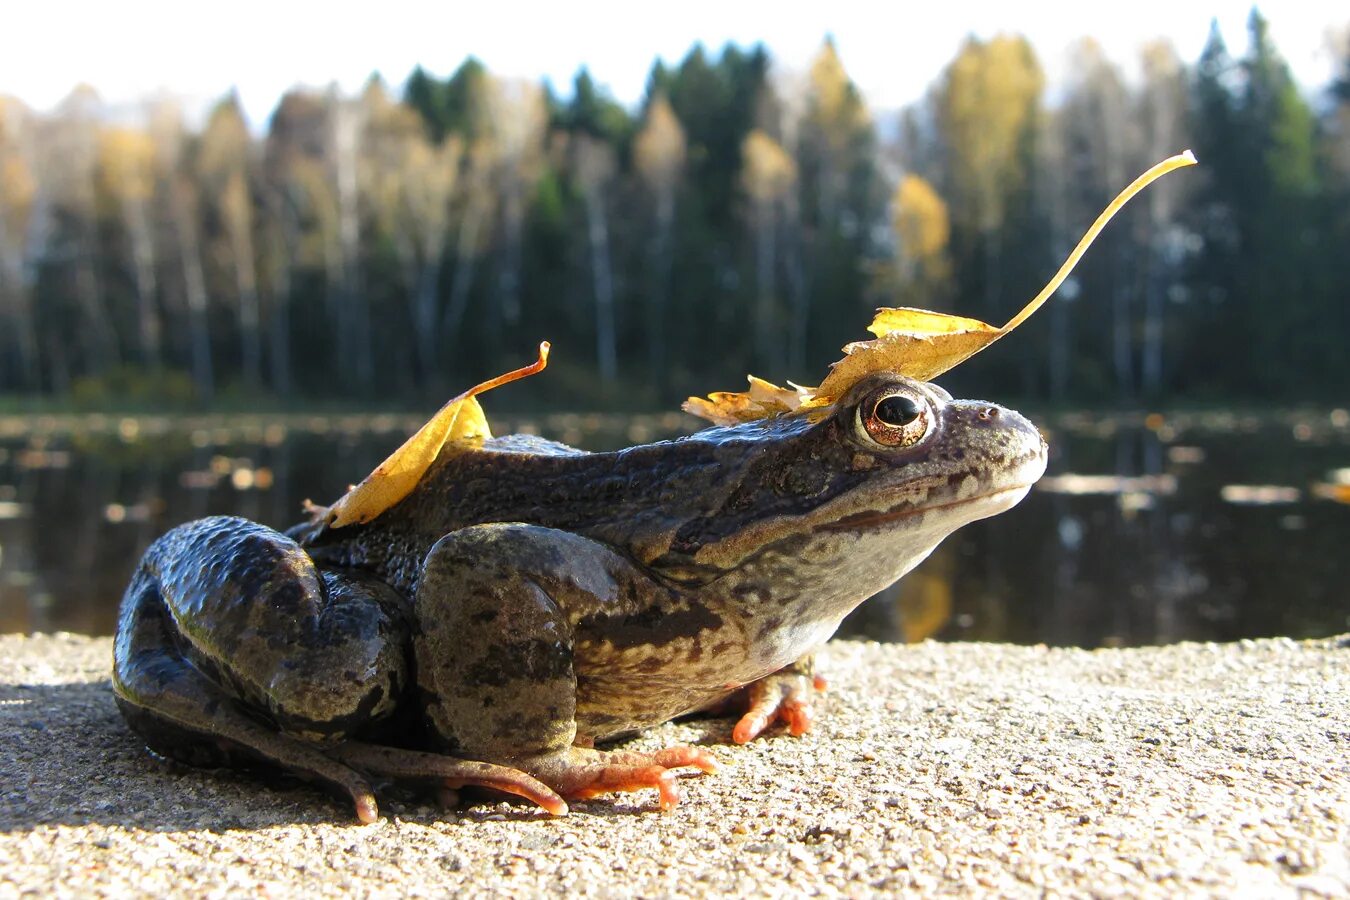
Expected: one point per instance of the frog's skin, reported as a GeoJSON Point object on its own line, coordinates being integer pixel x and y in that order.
{"type": "Point", "coordinates": [527, 600]}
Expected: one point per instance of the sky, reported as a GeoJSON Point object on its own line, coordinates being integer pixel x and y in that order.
{"type": "Point", "coordinates": [131, 49]}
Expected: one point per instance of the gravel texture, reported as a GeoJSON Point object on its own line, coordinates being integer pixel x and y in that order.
{"type": "Point", "coordinates": [1196, 769]}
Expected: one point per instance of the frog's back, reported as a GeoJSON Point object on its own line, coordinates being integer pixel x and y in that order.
{"type": "Point", "coordinates": [522, 479]}
{"type": "Point", "coordinates": [530, 444]}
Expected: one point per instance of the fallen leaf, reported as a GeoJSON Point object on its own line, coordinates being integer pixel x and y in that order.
{"type": "Point", "coordinates": [914, 342]}
{"type": "Point", "coordinates": [917, 343]}
{"type": "Point", "coordinates": [458, 426]}
{"type": "Point", "coordinates": [764, 399]}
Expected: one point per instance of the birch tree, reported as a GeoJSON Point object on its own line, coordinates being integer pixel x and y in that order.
{"type": "Point", "coordinates": [127, 164]}
{"type": "Point", "coordinates": [225, 166]}
{"type": "Point", "coordinates": [519, 120]}
{"type": "Point", "coordinates": [166, 128]}
{"type": "Point", "coordinates": [411, 182]}
{"type": "Point", "coordinates": [986, 106]}
{"type": "Point", "coordinates": [841, 202]}
{"type": "Point", "coordinates": [281, 230]}
{"type": "Point", "coordinates": [835, 135]}
{"type": "Point", "coordinates": [356, 355]}
{"type": "Point", "coordinates": [292, 171]}
{"type": "Point", "coordinates": [22, 236]}
{"type": "Point", "coordinates": [1052, 160]}
{"type": "Point", "coordinates": [1095, 120]}
{"type": "Point", "coordinates": [769, 176]}
{"type": "Point", "coordinates": [1161, 111]}
{"type": "Point", "coordinates": [476, 200]}
{"type": "Point", "coordinates": [660, 152]}
{"type": "Point", "coordinates": [594, 166]}
{"type": "Point", "coordinates": [73, 161]}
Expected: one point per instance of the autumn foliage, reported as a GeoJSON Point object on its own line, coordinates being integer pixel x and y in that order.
{"type": "Point", "coordinates": [386, 247]}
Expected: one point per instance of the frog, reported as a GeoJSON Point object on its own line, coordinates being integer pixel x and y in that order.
{"type": "Point", "coordinates": [529, 605]}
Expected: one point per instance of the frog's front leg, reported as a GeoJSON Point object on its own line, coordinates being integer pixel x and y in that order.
{"type": "Point", "coordinates": [495, 611]}
{"type": "Point", "coordinates": [785, 696]}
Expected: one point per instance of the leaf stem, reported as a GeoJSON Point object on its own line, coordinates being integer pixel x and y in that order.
{"type": "Point", "coordinates": [1167, 165]}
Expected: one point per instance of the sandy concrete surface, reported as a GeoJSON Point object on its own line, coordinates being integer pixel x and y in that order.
{"type": "Point", "coordinates": [935, 769]}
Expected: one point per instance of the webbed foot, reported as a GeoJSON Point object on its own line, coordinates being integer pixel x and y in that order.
{"type": "Point", "coordinates": [580, 773]}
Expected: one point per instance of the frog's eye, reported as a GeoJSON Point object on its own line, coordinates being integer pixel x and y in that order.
{"type": "Point", "coordinates": [893, 420]}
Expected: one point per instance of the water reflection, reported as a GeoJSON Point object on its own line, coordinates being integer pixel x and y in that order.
{"type": "Point", "coordinates": [1145, 529]}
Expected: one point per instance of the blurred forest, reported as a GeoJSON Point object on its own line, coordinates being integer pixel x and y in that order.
{"type": "Point", "coordinates": [391, 250]}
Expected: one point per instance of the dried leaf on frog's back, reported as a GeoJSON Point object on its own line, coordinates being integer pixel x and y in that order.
{"type": "Point", "coordinates": [773, 399]}
{"type": "Point", "coordinates": [764, 399]}
{"type": "Point", "coordinates": [458, 425]}
{"type": "Point", "coordinates": [723, 407]}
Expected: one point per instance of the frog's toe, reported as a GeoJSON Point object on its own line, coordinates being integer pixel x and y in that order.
{"type": "Point", "coordinates": [367, 810]}
{"type": "Point", "coordinates": [450, 772]}
{"type": "Point", "coordinates": [781, 697]}
{"type": "Point", "coordinates": [581, 773]}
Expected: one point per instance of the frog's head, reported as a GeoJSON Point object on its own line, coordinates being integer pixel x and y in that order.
{"type": "Point", "coordinates": [858, 494]}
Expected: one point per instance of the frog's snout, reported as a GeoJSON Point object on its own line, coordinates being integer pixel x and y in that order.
{"type": "Point", "coordinates": [1012, 448]}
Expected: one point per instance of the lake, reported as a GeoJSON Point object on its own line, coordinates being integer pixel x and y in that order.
{"type": "Point", "coordinates": [1147, 529]}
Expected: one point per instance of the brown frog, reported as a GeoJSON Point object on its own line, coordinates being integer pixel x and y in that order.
{"type": "Point", "coordinates": [527, 600]}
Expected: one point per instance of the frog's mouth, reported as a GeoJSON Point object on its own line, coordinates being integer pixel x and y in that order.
{"type": "Point", "coordinates": [995, 501]}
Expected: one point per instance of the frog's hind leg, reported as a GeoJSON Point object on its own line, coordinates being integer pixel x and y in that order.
{"type": "Point", "coordinates": [184, 715]}
{"type": "Point", "coordinates": [233, 648]}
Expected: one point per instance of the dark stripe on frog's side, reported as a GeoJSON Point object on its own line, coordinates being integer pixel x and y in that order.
{"type": "Point", "coordinates": [650, 627]}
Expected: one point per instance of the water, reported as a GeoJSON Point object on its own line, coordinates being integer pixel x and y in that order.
{"type": "Point", "coordinates": [1150, 530]}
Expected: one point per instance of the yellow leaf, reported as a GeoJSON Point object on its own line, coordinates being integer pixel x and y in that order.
{"type": "Point", "coordinates": [764, 399]}
{"type": "Point", "coordinates": [914, 342]}
{"type": "Point", "coordinates": [919, 343]}
{"type": "Point", "coordinates": [458, 426]}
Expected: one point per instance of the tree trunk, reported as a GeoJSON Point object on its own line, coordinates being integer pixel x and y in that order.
{"type": "Point", "coordinates": [425, 318]}
{"type": "Point", "coordinates": [194, 284]}
{"type": "Point", "coordinates": [100, 337]}
{"type": "Point", "coordinates": [659, 297]}
{"type": "Point", "coordinates": [1121, 350]}
{"type": "Point", "coordinates": [336, 308]}
{"type": "Point", "coordinates": [797, 288]}
{"type": "Point", "coordinates": [361, 364]}
{"type": "Point", "coordinates": [513, 216]}
{"type": "Point", "coordinates": [465, 261]}
{"type": "Point", "coordinates": [1151, 354]}
{"type": "Point", "coordinates": [14, 283]}
{"type": "Point", "coordinates": [427, 293]}
{"type": "Point", "coordinates": [765, 270]}
{"type": "Point", "coordinates": [148, 329]}
{"type": "Point", "coordinates": [992, 261]}
{"type": "Point", "coordinates": [246, 287]}
{"type": "Point", "coordinates": [606, 349]}
{"type": "Point", "coordinates": [279, 334]}
{"type": "Point", "coordinates": [1059, 350]}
